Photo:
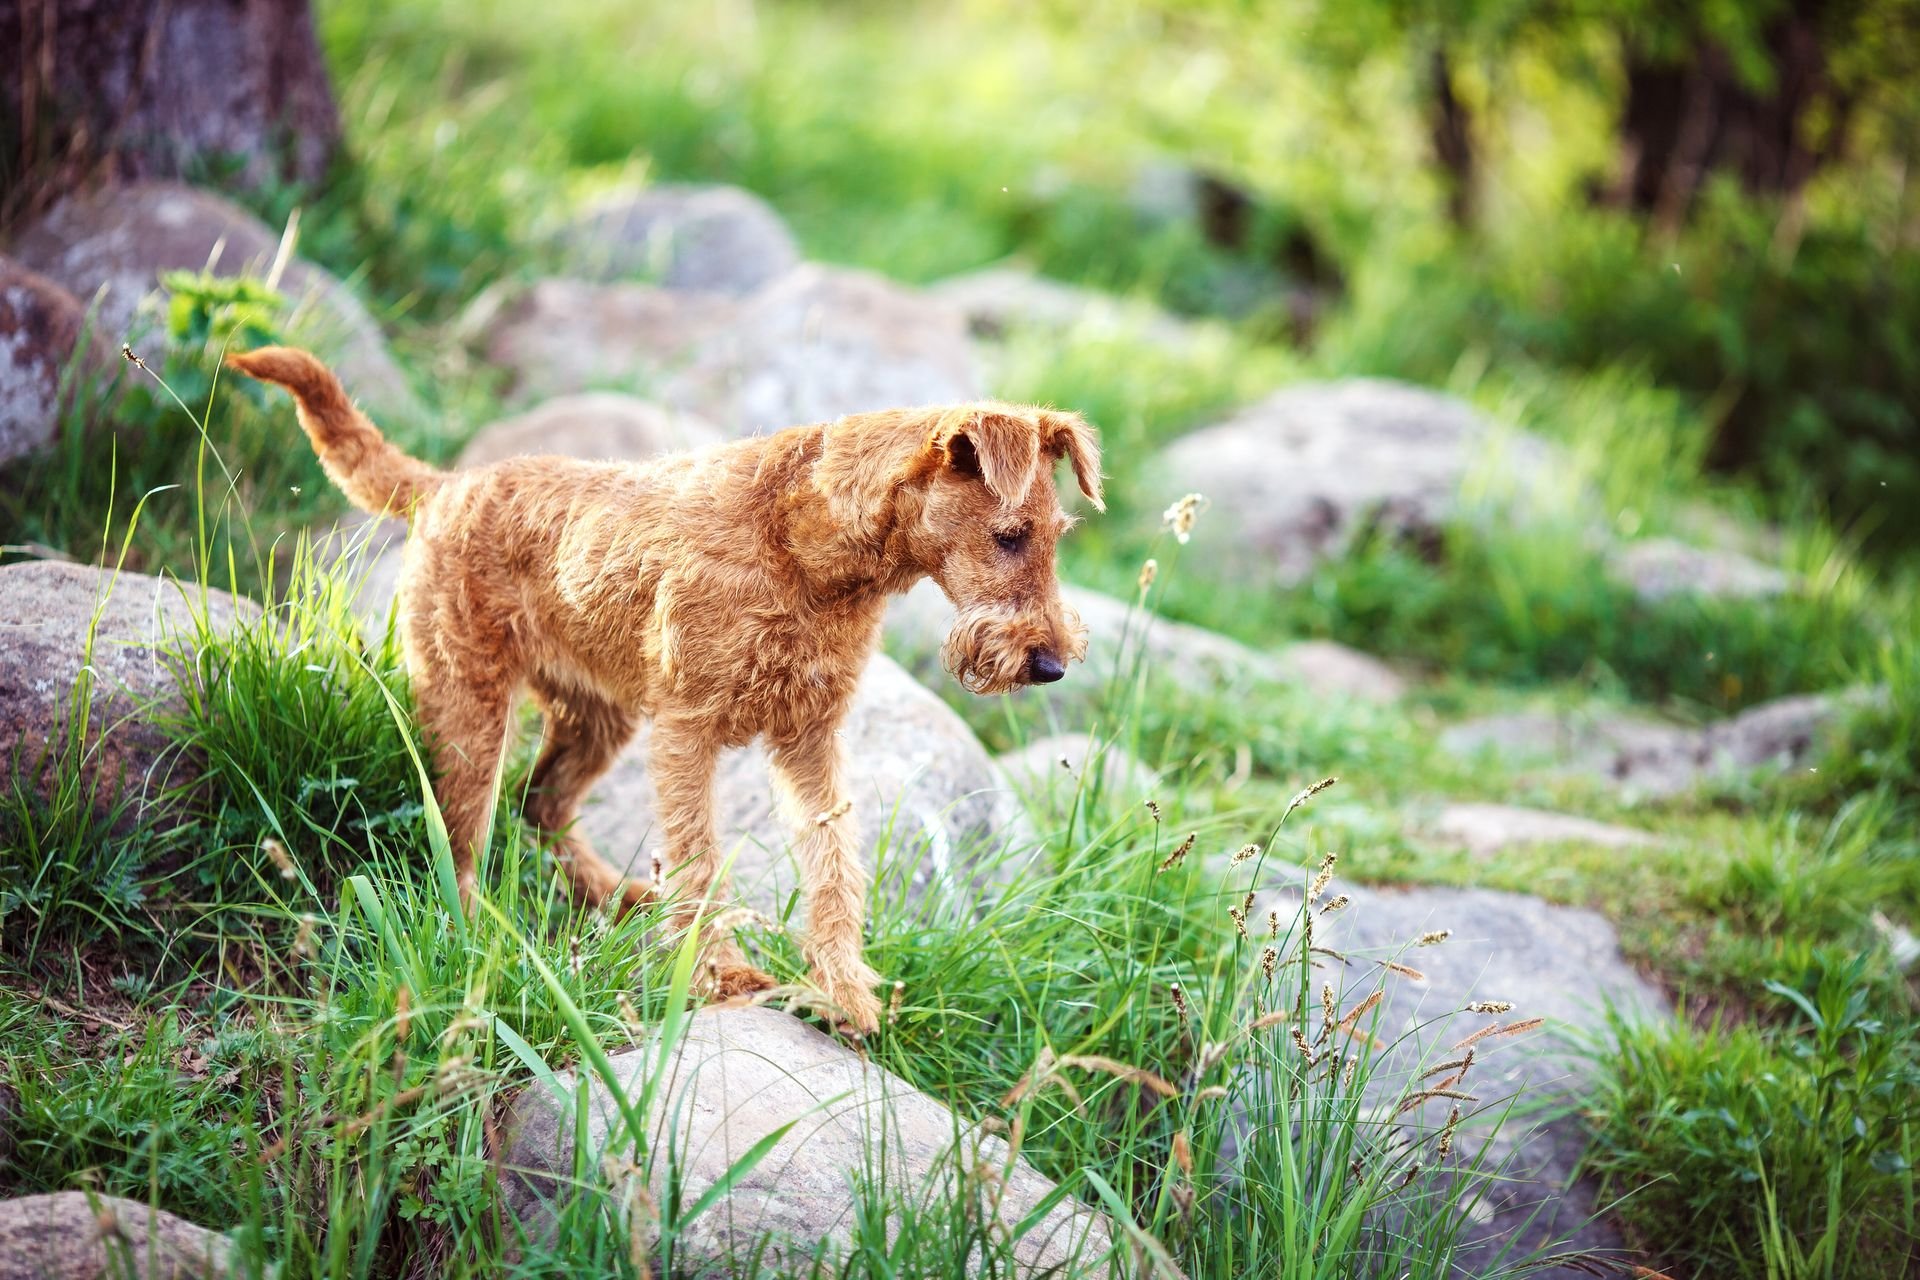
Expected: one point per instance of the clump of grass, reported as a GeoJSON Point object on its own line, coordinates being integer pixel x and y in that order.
{"type": "Point", "coordinates": [1777, 1152]}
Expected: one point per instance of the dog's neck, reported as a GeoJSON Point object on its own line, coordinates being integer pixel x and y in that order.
{"type": "Point", "coordinates": [847, 529]}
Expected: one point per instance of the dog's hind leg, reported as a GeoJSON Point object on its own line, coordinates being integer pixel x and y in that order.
{"type": "Point", "coordinates": [681, 758]}
{"type": "Point", "coordinates": [465, 726]}
{"type": "Point", "coordinates": [811, 767]}
{"type": "Point", "coordinates": [584, 731]}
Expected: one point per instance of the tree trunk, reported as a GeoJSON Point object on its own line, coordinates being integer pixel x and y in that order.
{"type": "Point", "coordinates": [1686, 119]}
{"type": "Point", "coordinates": [160, 88]}
{"type": "Point", "coordinates": [1451, 128]}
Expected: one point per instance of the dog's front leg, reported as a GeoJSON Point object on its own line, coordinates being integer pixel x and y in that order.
{"type": "Point", "coordinates": [682, 756]}
{"type": "Point", "coordinates": [811, 767]}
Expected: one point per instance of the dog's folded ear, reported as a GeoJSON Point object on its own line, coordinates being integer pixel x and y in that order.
{"type": "Point", "coordinates": [1069, 436]}
{"type": "Point", "coordinates": [999, 446]}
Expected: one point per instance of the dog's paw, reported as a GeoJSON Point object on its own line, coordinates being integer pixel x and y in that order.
{"type": "Point", "coordinates": [858, 1007]}
{"type": "Point", "coordinates": [725, 981]}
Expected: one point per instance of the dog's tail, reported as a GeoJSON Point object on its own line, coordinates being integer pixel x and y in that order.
{"type": "Point", "coordinates": [374, 475]}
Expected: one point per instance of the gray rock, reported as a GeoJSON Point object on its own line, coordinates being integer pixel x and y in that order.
{"type": "Point", "coordinates": [1558, 963]}
{"type": "Point", "coordinates": [1120, 636]}
{"type": "Point", "coordinates": [1772, 738]}
{"type": "Point", "coordinates": [822, 342]}
{"type": "Point", "coordinates": [139, 623]}
{"type": "Point", "coordinates": [737, 1077]}
{"type": "Point", "coordinates": [999, 302]}
{"type": "Point", "coordinates": [921, 784]}
{"type": "Point", "coordinates": [1291, 479]}
{"type": "Point", "coordinates": [710, 239]}
{"type": "Point", "coordinates": [123, 239]}
{"type": "Point", "coordinates": [592, 425]}
{"type": "Point", "coordinates": [1645, 759]}
{"type": "Point", "coordinates": [73, 1235]}
{"type": "Point", "coordinates": [557, 336]}
{"type": "Point", "coordinates": [1055, 767]}
{"type": "Point", "coordinates": [1487, 829]}
{"type": "Point", "coordinates": [1659, 568]}
{"type": "Point", "coordinates": [40, 329]}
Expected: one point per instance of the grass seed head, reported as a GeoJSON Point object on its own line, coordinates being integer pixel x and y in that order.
{"type": "Point", "coordinates": [1179, 999]}
{"type": "Point", "coordinates": [1247, 853]}
{"type": "Point", "coordinates": [278, 855]}
{"type": "Point", "coordinates": [1148, 572]}
{"type": "Point", "coordinates": [1336, 904]}
{"type": "Point", "coordinates": [1153, 808]}
{"type": "Point", "coordinates": [1180, 517]}
{"type": "Point", "coordinates": [1174, 858]}
{"type": "Point", "coordinates": [1434, 937]}
{"type": "Point", "coordinates": [1490, 1006]}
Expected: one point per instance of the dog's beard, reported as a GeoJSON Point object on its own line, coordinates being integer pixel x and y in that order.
{"type": "Point", "coordinates": [987, 648]}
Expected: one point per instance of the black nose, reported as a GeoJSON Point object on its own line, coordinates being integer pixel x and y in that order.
{"type": "Point", "coordinates": [1043, 667]}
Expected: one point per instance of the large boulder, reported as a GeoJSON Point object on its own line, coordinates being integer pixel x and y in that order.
{"type": "Point", "coordinates": [922, 786]}
{"type": "Point", "coordinates": [130, 632]}
{"type": "Point", "coordinates": [1292, 479]}
{"type": "Point", "coordinates": [117, 242]}
{"type": "Point", "coordinates": [822, 342]}
{"type": "Point", "coordinates": [1558, 963]}
{"type": "Point", "coordinates": [172, 89]}
{"type": "Point", "coordinates": [736, 1078]}
{"type": "Point", "coordinates": [75, 1235]}
{"type": "Point", "coordinates": [41, 325]}
{"type": "Point", "coordinates": [813, 345]}
{"type": "Point", "coordinates": [1647, 759]}
{"type": "Point", "coordinates": [1120, 636]}
{"type": "Point", "coordinates": [1001, 302]}
{"type": "Point", "coordinates": [711, 239]}
{"type": "Point", "coordinates": [562, 335]}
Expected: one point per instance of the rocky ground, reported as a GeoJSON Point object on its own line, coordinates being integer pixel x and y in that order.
{"type": "Point", "coordinates": [732, 333]}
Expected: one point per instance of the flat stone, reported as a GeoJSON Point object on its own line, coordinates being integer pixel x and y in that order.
{"type": "Point", "coordinates": [1487, 829]}
{"type": "Point", "coordinates": [1661, 568]}
{"type": "Point", "coordinates": [140, 623]}
{"type": "Point", "coordinates": [820, 343]}
{"type": "Point", "coordinates": [558, 336]}
{"type": "Point", "coordinates": [736, 1078]}
{"type": "Point", "coordinates": [1558, 963]}
{"type": "Point", "coordinates": [711, 239]}
{"type": "Point", "coordinates": [1327, 667]}
{"type": "Point", "coordinates": [117, 242]}
{"type": "Point", "coordinates": [73, 1235]}
{"type": "Point", "coordinates": [40, 329]}
{"type": "Point", "coordinates": [593, 425]}
{"type": "Point", "coordinates": [1056, 767]}
{"type": "Point", "coordinates": [922, 787]}
{"type": "Point", "coordinates": [1576, 741]}
{"type": "Point", "coordinates": [1291, 479]}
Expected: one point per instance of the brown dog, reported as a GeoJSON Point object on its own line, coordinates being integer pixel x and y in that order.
{"type": "Point", "coordinates": [726, 594]}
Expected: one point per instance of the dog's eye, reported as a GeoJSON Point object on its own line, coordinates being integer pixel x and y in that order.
{"type": "Point", "coordinates": [1011, 541]}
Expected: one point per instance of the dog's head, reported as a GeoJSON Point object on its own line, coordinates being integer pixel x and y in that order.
{"type": "Point", "coordinates": [988, 524]}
